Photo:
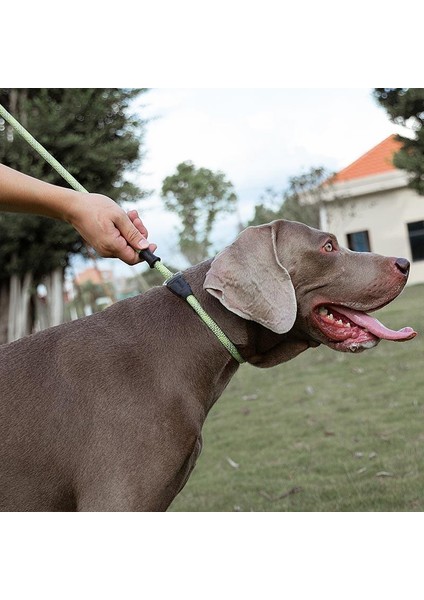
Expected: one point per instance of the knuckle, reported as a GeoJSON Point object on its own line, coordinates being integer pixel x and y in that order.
{"type": "Point", "coordinates": [133, 236]}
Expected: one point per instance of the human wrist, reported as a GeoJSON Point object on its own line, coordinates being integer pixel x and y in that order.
{"type": "Point", "coordinates": [70, 205]}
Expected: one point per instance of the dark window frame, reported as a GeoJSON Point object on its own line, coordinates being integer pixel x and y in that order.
{"type": "Point", "coordinates": [416, 240]}
{"type": "Point", "coordinates": [359, 241]}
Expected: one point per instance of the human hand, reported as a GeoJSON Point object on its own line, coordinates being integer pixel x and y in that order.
{"type": "Point", "coordinates": [109, 229]}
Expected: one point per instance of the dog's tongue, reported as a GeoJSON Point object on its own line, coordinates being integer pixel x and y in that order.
{"type": "Point", "coordinates": [375, 327]}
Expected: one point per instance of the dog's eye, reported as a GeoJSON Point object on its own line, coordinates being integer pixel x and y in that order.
{"type": "Point", "coordinates": [329, 247]}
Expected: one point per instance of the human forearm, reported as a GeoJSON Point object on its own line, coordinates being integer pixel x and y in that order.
{"type": "Point", "coordinates": [22, 193]}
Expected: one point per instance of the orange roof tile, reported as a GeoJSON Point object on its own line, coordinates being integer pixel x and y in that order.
{"type": "Point", "coordinates": [375, 161]}
{"type": "Point", "coordinates": [94, 275]}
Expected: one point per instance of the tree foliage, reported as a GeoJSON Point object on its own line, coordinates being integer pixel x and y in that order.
{"type": "Point", "coordinates": [197, 196]}
{"type": "Point", "coordinates": [405, 106]}
{"type": "Point", "coordinates": [91, 133]}
{"type": "Point", "coordinates": [298, 202]}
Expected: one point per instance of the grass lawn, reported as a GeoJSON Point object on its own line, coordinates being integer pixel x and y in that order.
{"type": "Point", "coordinates": [326, 431]}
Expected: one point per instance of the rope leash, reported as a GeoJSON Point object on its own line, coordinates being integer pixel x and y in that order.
{"type": "Point", "coordinates": [174, 281]}
{"type": "Point", "coordinates": [41, 150]}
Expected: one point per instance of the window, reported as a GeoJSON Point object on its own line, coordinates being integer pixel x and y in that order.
{"type": "Point", "coordinates": [416, 239]}
{"type": "Point", "coordinates": [359, 241]}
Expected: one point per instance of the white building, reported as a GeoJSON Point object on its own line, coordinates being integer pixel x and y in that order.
{"type": "Point", "coordinates": [369, 207]}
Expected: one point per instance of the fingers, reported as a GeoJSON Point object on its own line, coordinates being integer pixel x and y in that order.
{"type": "Point", "coordinates": [138, 223]}
{"type": "Point", "coordinates": [134, 234]}
{"type": "Point", "coordinates": [131, 256]}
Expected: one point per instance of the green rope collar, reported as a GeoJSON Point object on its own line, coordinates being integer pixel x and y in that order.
{"type": "Point", "coordinates": [146, 254]}
{"type": "Point", "coordinates": [176, 283]}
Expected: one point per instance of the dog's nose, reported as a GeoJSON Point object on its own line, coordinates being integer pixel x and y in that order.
{"type": "Point", "coordinates": [403, 265]}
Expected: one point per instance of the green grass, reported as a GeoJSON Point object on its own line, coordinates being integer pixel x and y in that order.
{"type": "Point", "coordinates": [325, 432]}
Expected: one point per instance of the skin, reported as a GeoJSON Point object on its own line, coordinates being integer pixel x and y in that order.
{"type": "Point", "coordinates": [98, 219]}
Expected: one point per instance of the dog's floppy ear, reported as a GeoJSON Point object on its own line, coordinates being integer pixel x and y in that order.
{"type": "Point", "coordinates": [249, 279]}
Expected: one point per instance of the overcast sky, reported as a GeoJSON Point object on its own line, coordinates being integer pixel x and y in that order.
{"type": "Point", "coordinates": [257, 137]}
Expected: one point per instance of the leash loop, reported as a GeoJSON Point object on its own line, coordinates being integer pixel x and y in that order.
{"type": "Point", "coordinates": [180, 287]}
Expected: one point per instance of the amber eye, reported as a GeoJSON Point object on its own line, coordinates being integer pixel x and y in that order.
{"type": "Point", "coordinates": [328, 247]}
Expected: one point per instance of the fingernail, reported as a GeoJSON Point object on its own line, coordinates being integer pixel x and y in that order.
{"type": "Point", "coordinates": [143, 244]}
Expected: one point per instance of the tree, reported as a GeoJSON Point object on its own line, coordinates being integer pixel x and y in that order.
{"type": "Point", "coordinates": [92, 133]}
{"type": "Point", "coordinates": [197, 196]}
{"type": "Point", "coordinates": [298, 202]}
{"type": "Point", "coordinates": [405, 106]}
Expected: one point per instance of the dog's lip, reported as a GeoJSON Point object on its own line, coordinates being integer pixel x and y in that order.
{"type": "Point", "coordinates": [363, 321]}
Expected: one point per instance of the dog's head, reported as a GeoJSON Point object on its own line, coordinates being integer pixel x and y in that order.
{"type": "Point", "coordinates": [297, 281]}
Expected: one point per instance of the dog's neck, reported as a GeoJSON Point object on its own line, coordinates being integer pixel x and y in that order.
{"type": "Point", "coordinates": [258, 345]}
{"type": "Point", "coordinates": [232, 325]}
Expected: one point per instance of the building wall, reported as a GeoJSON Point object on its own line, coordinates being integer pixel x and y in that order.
{"type": "Point", "coordinates": [385, 215]}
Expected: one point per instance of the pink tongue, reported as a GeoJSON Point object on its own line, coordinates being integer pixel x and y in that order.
{"type": "Point", "coordinates": [375, 327]}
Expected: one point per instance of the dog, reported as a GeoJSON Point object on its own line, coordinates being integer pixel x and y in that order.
{"type": "Point", "coordinates": [105, 413]}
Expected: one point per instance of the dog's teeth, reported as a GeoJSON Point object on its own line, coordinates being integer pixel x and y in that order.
{"type": "Point", "coordinates": [323, 311]}
{"type": "Point", "coordinates": [347, 324]}
{"type": "Point", "coordinates": [339, 322]}
{"type": "Point", "coordinates": [330, 316]}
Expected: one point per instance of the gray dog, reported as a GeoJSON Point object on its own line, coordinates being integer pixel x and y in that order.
{"type": "Point", "coordinates": [105, 413]}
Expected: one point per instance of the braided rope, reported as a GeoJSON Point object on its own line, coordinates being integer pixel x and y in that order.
{"type": "Point", "coordinates": [166, 273]}
{"type": "Point", "coordinates": [209, 322]}
{"type": "Point", "coordinates": [41, 150]}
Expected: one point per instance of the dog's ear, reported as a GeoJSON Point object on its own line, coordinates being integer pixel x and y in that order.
{"type": "Point", "coordinates": [249, 279]}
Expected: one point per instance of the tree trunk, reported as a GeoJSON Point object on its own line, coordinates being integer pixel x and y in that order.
{"type": "Point", "coordinates": [19, 317]}
{"type": "Point", "coordinates": [16, 306]}
{"type": "Point", "coordinates": [4, 311]}
{"type": "Point", "coordinates": [54, 303]}
{"type": "Point", "coordinates": [56, 300]}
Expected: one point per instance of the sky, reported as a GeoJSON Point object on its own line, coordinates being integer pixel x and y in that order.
{"type": "Point", "coordinates": [257, 137]}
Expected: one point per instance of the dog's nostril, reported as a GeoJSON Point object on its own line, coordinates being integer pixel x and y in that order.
{"type": "Point", "coordinates": [403, 265]}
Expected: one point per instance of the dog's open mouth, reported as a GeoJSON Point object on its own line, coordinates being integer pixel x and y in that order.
{"type": "Point", "coordinates": [348, 330]}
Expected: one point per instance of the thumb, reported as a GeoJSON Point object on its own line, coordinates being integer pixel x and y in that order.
{"type": "Point", "coordinates": [130, 233]}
